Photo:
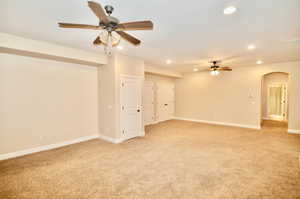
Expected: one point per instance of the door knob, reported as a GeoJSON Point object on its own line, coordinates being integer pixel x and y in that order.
{"type": "Point", "coordinates": [138, 110]}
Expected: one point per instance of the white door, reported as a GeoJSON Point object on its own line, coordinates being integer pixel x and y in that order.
{"type": "Point", "coordinates": [148, 103]}
{"type": "Point", "coordinates": [277, 101]}
{"type": "Point", "coordinates": [165, 101]}
{"type": "Point", "coordinates": [131, 116]}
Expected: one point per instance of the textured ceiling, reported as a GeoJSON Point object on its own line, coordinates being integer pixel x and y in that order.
{"type": "Point", "coordinates": [188, 32]}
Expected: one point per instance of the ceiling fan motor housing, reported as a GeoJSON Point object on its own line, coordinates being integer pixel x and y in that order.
{"type": "Point", "coordinates": [113, 21]}
{"type": "Point", "coordinates": [214, 66]}
{"type": "Point", "coordinates": [112, 24]}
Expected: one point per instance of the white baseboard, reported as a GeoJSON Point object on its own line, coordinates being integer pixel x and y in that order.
{"type": "Point", "coordinates": [274, 119]}
{"type": "Point", "coordinates": [293, 131]}
{"type": "Point", "coordinates": [46, 147]}
{"type": "Point", "coordinates": [116, 140]}
{"type": "Point", "coordinates": [110, 139]}
{"type": "Point", "coordinates": [154, 122]}
{"type": "Point", "coordinates": [158, 121]}
{"type": "Point", "coordinates": [218, 123]}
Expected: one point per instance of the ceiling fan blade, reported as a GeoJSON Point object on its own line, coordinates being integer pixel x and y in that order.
{"type": "Point", "coordinates": [81, 26]}
{"type": "Point", "coordinates": [136, 25]}
{"type": "Point", "coordinates": [129, 38]}
{"type": "Point", "coordinates": [98, 11]}
{"type": "Point", "coordinates": [97, 41]}
{"type": "Point", "coordinates": [225, 69]}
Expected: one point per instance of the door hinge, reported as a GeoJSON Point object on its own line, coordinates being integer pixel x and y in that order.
{"type": "Point", "coordinates": [122, 107]}
{"type": "Point", "coordinates": [123, 131]}
{"type": "Point", "coordinates": [122, 84]}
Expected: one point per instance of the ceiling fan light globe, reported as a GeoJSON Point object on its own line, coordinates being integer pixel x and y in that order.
{"type": "Point", "coordinates": [229, 10]}
{"type": "Point", "coordinates": [106, 37]}
{"type": "Point", "coordinates": [214, 72]}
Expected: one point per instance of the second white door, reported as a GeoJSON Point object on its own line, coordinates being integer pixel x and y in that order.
{"type": "Point", "coordinates": [165, 101]}
{"type": "Point", "coordinates": [148, 103]}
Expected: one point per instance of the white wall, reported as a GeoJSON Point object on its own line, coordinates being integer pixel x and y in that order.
{"type": "Point", "coordinates": [234, 97]}
{"type": "Point", "coordinates": [44, 102]}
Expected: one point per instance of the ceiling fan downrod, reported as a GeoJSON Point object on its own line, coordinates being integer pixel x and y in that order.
{"type": "Point", "coordinates": [109, 9]}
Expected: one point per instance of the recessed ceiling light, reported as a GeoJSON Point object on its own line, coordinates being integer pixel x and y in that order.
{"type": "Point", "coordinates": [251, 47]}
{"type": "Point", "coordinates": [195, 69]}
{"type": "Point", "coordinates": [259, 62]}
{"type": "Point", "coordinates": [229, 10]}
{"type": "Point", "coordinates": [168, 61]}
{"type": "Point", "coordinates": [120, 47]}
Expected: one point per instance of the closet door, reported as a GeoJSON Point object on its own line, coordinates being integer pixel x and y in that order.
{"type": "Point", "coordinates": [148, 103]}
{"type": "Point", "coordinates": [131, 101]}
{"type": "Point", "coordinates": [165, 101]}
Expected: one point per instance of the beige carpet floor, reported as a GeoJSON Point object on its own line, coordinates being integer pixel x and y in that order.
{"type": "Point", "coordinates": [176, 159]}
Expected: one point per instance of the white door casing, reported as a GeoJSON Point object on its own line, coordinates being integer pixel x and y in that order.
{"type": "Point", "coordinates": [148, 103]}
{"type": "Point", "coordinates": [131, 99]}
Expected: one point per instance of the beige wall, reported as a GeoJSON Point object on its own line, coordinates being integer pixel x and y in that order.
{"type": "Point", "coordinates": [107, 99]}
{"type": "Point", "coordinates": [45, 102]}
{"type": "Point", "coordinates": [126, 65]}
{"type": "Point", "coordinates": [268, 80]}
{"type": "Point", "coordinates": [234, 97]}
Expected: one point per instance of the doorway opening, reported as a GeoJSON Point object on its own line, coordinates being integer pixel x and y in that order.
{"type": "Point", "coordinates": [275, 99]}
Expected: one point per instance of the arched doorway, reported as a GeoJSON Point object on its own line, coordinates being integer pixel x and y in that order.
{"type": "Point", "coordinates": [274, 102]}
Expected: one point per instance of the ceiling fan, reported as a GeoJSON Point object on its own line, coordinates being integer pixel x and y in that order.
{"type": "Point", "coordinates": [215, 69]}
{"type": "Point", "coordinates": [113, 30]}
